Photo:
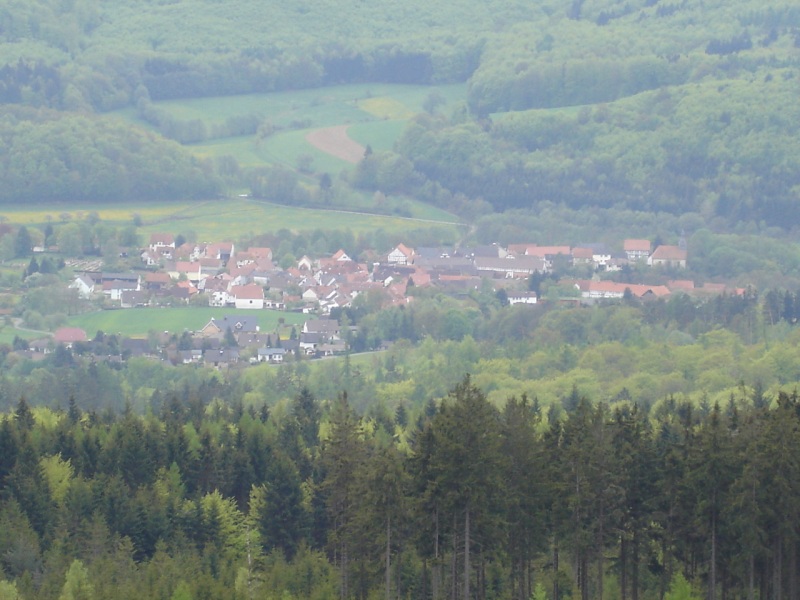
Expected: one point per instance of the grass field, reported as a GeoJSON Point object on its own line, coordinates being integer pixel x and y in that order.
{"type": "Point", "coordinates": [377, 112]}
{"type": "Point", "coordinates": [8, 333]}
{"type": "Point", "coordinates": [232, 219]}
{"type": "Point", "coordinates": [137, 322]}
{"type": "Point", "coordinates": [237, 217]}
{"type": "Point", "coordinates": [320, 107]}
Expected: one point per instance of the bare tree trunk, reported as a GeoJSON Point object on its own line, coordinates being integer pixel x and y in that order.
{"type": "Point", "coordinates": [600, 556]}
{"type": "Point", "coordinates": [436, 584]}
{"type": "Point", "coordinates": [635, 565]}
{"type": "Point", "coordinates": [389, 558]}
{"type": "Point", "coordinates": [793, 571]}
{"type": "Point", "coordinates": [344, 586]}
{"type": "Point", "coordinates": [453, 569]}
{"type": "Point", "coordinates": [778, 570]}
{"type": "Point", "coordinates": [555, 571]}
{"type": "Point", "coordinates": [751, 592]}
{"type": "Point", "coordinates": [585, 575]}
{"type": "Point", "coordinates": [466, 553]}
{"type": "Point", "coordinates": [712, 586]}
{"type": "Point", "coordinates": [623, 567]}
{"type": "Point", "coordinates": [425, 579]}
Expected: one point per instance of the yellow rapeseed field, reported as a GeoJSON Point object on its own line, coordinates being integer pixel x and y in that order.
{"type": "Point", "coordinates": [385, 107]}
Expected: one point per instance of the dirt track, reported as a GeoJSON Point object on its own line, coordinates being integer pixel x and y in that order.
{"type": "Point", "coordinates": [334, 141]}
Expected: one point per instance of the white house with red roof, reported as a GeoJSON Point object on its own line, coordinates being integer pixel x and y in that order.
{"type": "Point", "coordinates": [161, 240]}
{"type": "Point", "coordinates": [247, 296]}
{"type": "Point", "coordinates": [192, 270]}
{"type": "Point", "coordinates": [636, 250]}
{"type": "Point", "coordinates": [668, 256]}
{"type": "Point", "coordinates": [401, 255]}
{"type": "Point", "coordinates": [69, 335]}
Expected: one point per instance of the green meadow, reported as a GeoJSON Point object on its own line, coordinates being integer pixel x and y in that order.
{"type": "Point", "coordinates": [319, 107]}
{"type": "Point", "coordinates": [233, 218]}
{"type": "Point", "coordinates": [378, 114]}
{"type": "Point", "coordinates": [137, 322]}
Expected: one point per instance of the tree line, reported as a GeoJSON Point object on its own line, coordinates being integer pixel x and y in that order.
{"type": "Point", "coordinates": [644, 153]}
{"type": "Point", "coordinates": [468, 500]}
{"type": "Point", "coordinates": [47, 156]}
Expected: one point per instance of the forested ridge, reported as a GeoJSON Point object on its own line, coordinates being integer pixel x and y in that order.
{"type": "Point", "coordinates": [214, 500]}
{"type": "Point", "coordinates": [647, 106]}
{"type": "Point", "coordinates": [51, 156]}
{"type": "Point", "coordinates": [635, 450]}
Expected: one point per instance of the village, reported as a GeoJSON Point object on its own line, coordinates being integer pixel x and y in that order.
{"type": "Point", "coordinates": [220, 275]}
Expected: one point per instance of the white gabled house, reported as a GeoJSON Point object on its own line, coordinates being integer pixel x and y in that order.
{"type": "Point", "coordinates": [84, 284]}
{"type": "Point", "coordinates": [249, 296]}
{"type": "Point", "coordinates": [401, 255]}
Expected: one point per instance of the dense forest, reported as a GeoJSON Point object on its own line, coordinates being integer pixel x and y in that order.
{"type": "Point", "coordinates": [462, 447]}
{"type": "Point", "coordinates": [694, 112]}
{"type": "Point", "coordinates": [204, 499]}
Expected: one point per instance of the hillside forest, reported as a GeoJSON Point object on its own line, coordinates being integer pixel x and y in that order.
{"type": "Point", "coordinates": [460, 447]}
{"type": "Point", "coordinates": [219, 501]}
{"type": "Point", "coordinates": [694, 113]}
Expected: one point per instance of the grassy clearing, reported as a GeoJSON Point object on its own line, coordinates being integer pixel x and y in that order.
{"type": "Point", "coordinates": [138, 322]}
{"type": "Point", "coordinates": [285, 148]}
{"type": "Point", "coordinates": [386, 107]}
{"type": "Point", "coordinates": [41, 214]}
{"type": "Point", "coordinates": [320, 107]}
{"type": "Point", "coordinates": [237, 217]}
{"type": "Point", "coordinates": [8, 333]}
{"type": "Point", "coordinates": [380, 135]}
{"type": "Point", "coordinates": [377, 114]}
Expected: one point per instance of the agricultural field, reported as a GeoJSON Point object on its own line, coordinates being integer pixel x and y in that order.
{"type": "Point", "coordinates": [321, 107]}
{"type": "Point", "coordinates": [377, 112]}
{"type": "Point", "coordinates": [138, 322]}
{"type": "Point", "coordinates": [236, 217]}
{"type": "Point", "coordinates": [233, 219]}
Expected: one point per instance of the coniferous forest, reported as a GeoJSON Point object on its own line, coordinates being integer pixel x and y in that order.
{"type": "Point", "coordinates": [634, 450]}
{"type": "Point", "coordinates": [214, 500]}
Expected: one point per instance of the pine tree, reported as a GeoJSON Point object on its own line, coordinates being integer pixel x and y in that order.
{"type": "Point", "coordinates": [712, 472]}
{"type": "Point", "coordinates": [77, 585]}
{"type": "Point", "coordinates": [635, 471]}
{"type": "Point", "coordinates": [383, 513]}
{"type": "Point", "coordinates": [468, 464]}
{"type": "Point", "coordinates": [526, 490]}
{"type": "Point", "coordinates": [342, 456]}
{"type": "Point", "coordinates": [282, 518]}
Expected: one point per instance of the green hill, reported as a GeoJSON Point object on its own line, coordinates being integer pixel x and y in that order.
{"type": "Point", "coordinates": [646, 105]}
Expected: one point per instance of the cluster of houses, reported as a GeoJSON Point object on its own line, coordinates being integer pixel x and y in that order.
{"type": "Point", "coordinates": [220, 343]}
{"type": "Point", "coordinates": [220, 275]}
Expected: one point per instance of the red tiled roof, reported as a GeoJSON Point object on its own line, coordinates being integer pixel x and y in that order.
{"type": "Point", "coordinates": [636, 245]}
{"type": "Point", "coordinates": [669, 253]}
{"type": "Point", "coordinates": [247, 292]}
{"type": "Point", "coordinates": [66, 335]}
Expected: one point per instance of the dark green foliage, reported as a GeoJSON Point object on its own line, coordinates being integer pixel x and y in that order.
{"type": "Point", "coordinates": [282, 520]}
{"type": "Point", "coordinates": [23, 245]}
{"type": "Point", "coordinates": [53, 156]}
{"type": "Point", "coordinates": [486, 501]}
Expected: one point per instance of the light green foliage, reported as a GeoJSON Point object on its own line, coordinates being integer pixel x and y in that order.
{"type": "Point", "coordinates": [538, 592]}
{"type": "Point", "coordinates": [680, 589]}
{"type": "Point", "coordinates": [182, 592]}
{"type": "Point", "coordinates": [224, 524]}
{"type": "Point", "coordinates": [58, 474]}
{"type": "Point", "coordinates": [8, 591]}
{"type": "Point", "coordinates": [107, 161]}
{"type": "Point", "coordinates": [77, 585]}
